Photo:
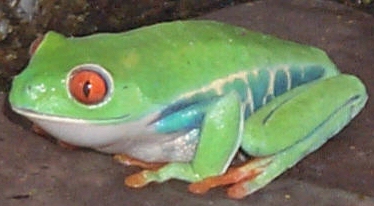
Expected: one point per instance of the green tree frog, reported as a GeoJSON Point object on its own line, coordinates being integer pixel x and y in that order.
{"type": "Point", "coordinates": [190, 95]}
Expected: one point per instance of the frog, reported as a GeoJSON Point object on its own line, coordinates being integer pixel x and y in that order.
{"type": "Point", "coordinates": [182, 99]}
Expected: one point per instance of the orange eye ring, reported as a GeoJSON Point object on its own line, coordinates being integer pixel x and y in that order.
{"type": "Point", "coordinates": [87, 85]}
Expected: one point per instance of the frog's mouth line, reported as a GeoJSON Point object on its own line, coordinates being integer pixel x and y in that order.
{"type": "Point", "coordinates": [53, 118]}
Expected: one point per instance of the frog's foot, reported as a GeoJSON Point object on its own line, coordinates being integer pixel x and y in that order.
{"type": "Point", "coordinates": [177, 170]}
{"type": "Point", "coordinates": [137, 180]}
{"type": "Point", "coordinates": [129, 161]}
{"type": "Point", "coordinates": [234, 176]}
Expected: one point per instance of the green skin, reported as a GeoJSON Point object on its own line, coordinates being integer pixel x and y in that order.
{"type": "Point", "coordinates": [164, 73]}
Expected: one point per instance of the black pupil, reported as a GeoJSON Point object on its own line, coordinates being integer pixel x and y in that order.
{"type": "Point", "coordinates": [87, 88]}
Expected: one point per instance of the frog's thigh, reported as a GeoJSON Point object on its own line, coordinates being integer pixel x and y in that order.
{"type": "Point", "coordinates": [301, 112]}
{"type": "Point", "coordinates": [298, 123]}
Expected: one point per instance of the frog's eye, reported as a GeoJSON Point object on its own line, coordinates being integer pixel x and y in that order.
{"type": "Point", "coordinates": [89, 84]}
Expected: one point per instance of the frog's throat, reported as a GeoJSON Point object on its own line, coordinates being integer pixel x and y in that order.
{"type": "Point", "coordinates": [137, 138]}
{"type": "Point", "coordinates": [87, 133]}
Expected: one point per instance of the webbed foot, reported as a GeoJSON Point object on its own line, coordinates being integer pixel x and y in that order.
{"type": "Point", "coordinates": [234, 176]}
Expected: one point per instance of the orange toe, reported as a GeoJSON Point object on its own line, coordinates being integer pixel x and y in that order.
{"type": "Point", "coordinates": [232, 176]}
{"type": "Point", "coordinates": [237, 191]}
{"type": "Point", "coordinates": [136, 180]}
{"type": "Point", "coordinates": [130, 161]}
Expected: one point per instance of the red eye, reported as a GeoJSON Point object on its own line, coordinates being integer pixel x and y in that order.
{"type": "Point", "coordinates": [87, 86]}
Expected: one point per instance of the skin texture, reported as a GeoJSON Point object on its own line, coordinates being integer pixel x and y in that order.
{"type": "Point", "coordinates": [189, 93]}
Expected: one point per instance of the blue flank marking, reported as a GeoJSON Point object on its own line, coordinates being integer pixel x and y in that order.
{"type": "Point", "coordinates": [259, 83]}
{"type": "Point", "coordinates": [280, 84]}
{"type": "Point", "coordinates": [187, 114]}
{"type": "Point", "coordinates": [184, 115]}
{"type": "Point", "coordinates": [247, 111]}
{"type": "Point", "coordinates": [183, 120]}
{"type": "Point", "coordinates": [259, 86]}
{"type": "Point", "coordinates": [310, 73]}
{"type": "Point", "coordinates": [296, 76]}
{"type": "Point", "coordinates": [269, 98]}
{"type": "Point", "coordinates": [242, 88]}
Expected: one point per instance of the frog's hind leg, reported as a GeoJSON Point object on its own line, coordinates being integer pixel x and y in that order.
{"type": "Point", "coordinates": [287, 129]}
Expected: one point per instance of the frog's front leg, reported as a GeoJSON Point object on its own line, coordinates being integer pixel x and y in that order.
{"type": "Point", "coordinates": [290, 127]}
{"type": "Point", "coordinates": [220, 138]}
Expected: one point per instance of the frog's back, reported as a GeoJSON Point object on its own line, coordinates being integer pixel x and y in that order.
{"type": "Point", "coordinates": [191, 54]}
{"type": "Point", "coordinates": [183, 56]}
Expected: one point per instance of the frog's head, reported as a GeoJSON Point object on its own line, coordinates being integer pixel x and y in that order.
{"type": "Point", "coordinates": [77, 84]}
